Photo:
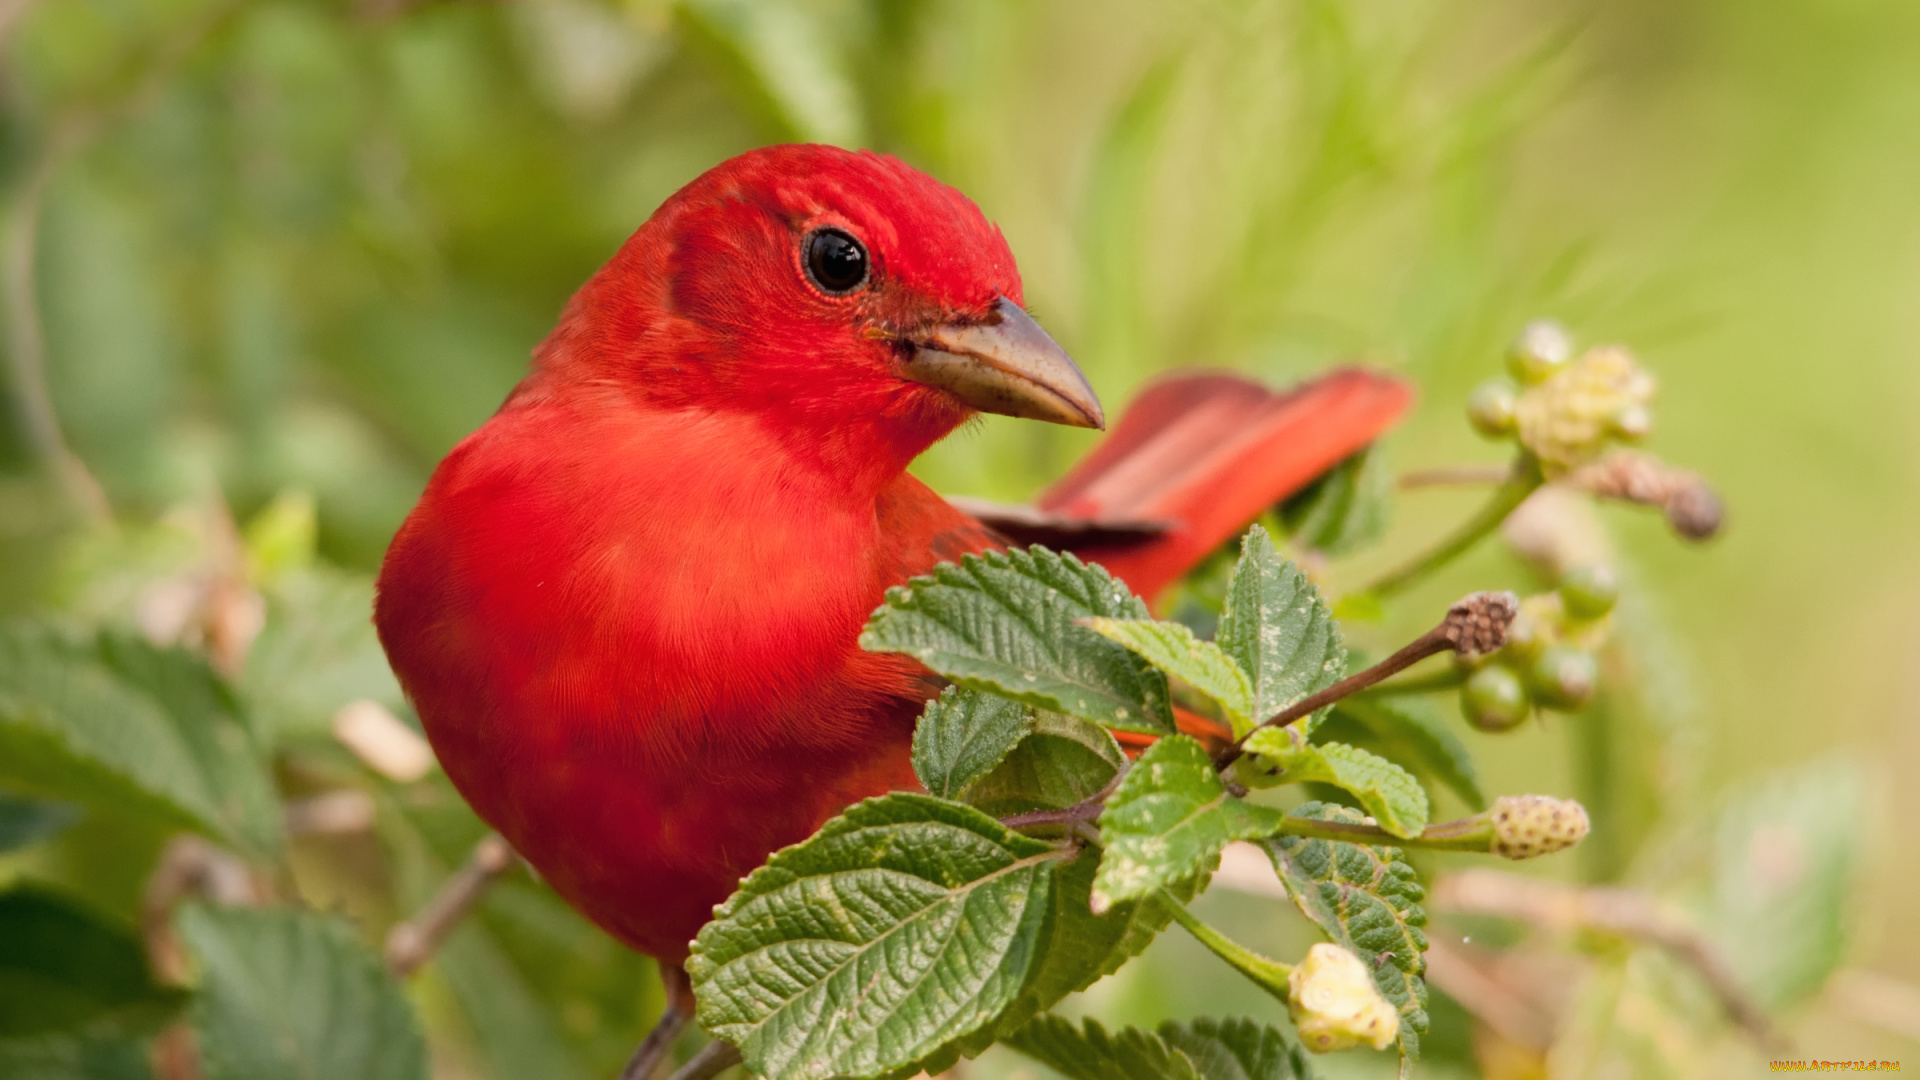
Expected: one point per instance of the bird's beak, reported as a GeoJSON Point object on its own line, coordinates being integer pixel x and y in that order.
{"type": "Point", "coordinates": [1005, 365]}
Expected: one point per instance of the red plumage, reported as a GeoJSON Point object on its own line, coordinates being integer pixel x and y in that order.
{"type": "Point", "coordinates": [626, 607]}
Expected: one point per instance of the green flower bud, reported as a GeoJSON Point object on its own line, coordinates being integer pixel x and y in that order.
{"type": "Point", "coordinates": [1588, 592]}
{"type": "Point", "coordinates": [1491, 409]}
{"type": "Point", "coordinates": [1494, 699]}
{"type": "Point", "coordinates": [1563, 677]}
{"type": "Point", "coordinates": [1526, 635]}
{"type": "Point", "coordinates": [1542, 349]}
{"type": "Point", "coordinates": [1335, 1004]}
{"type": "Point", "coordinates": [1526, 826]}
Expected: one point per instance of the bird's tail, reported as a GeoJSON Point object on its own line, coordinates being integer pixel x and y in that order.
{"type": "Point", "coordinates": [1194, 459]}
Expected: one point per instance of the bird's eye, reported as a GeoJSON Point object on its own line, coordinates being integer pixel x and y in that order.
{"type": "Point", "coordinates": [836, 261]}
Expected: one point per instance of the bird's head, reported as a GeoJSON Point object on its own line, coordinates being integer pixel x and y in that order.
{"type": "Point", "coordinates": [836, 293]}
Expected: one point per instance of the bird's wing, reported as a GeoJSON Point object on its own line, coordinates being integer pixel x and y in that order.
{"type": "Point", "coordinates": [920, 529]}
{"type": "Point", "coordinates": [1196, 457]}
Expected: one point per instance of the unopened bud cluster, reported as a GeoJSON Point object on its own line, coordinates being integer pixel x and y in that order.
{"type": "Point", "coordinates": [1564, 409]}
{"type": "Point", "coordinates": [1528, 826]}
{"type": "Point", "coordinates": [1547, 658]}
{"type": "Point", "coordinates": [1335, 1004]}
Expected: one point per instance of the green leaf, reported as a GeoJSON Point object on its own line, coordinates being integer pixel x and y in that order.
{"type": "Point", "coordinates": [891, 940]}
{"type": "Point", "coordinates": [1175, 650]}
{"type": "Point", "coordinates": [1237, 1049]}
{"type": "Point", "coordinates": [1388, 792]}
{"type": "Point", "coordinates": [1089, 1053]}
{"type": "Point", "coordinates": [1081, 947]}
{"type": "Point", "coordinates": [784, 62]}
{"type": "Point", "coordinates": [1064, 761]}
{"type": "Point", "coordinates": [1278, 628]}
{"type": "Point", "coordinates": [96, 1052]}
{"type": "Point", "coordinates": [962, 735]}
{"type": "Point", "coordinates": [1411, 729]}
{"type": "Point", "coordinates": [113, 722]}
{"type": "Point", "coordinates": [1007, 623]}
{"type": "Point", "coordinates": [291, 993]}
{"type": "Point", "coordinates": [63, 966]}
{"type": "Point", "coordinates": [1200, 1049]}
{"type": "Point", "coordinates": [1347, 508]}
{"type": "Point", "coordinates": [1167, 822]}
{"type": "Point", "coordinates": [317, 652]}
{"type": "Point", "coordinates": [24, 822]}
{"type": "Point", "coordinates": [1785, 862]}
{"type": "Point", "coordinates": [1366, 899]}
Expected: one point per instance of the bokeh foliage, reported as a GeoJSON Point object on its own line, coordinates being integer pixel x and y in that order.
{"type": "Point", "coordinates": [305, 246]}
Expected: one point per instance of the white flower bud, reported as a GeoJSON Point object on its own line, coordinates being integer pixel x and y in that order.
{"type": "Point", "coordinates": [1335, 1004]}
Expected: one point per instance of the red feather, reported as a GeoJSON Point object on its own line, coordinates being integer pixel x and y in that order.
{"type": "Point", "coordinates": [626, 608]}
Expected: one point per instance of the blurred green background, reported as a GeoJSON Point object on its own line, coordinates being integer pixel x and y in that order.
{"type": "Point", "coordinates": [257, 248]}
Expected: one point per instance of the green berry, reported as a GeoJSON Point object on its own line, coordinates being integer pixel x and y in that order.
{"type": "Point", "coordinates": [1492, 407]}
{"type": "Point", "coordinates": [1588, 592]}
{"type": "Point", "coordinates": [1541, 350]}
{"type": "Point", "coordinates": [1563, 677]}
{"type": "Point", "coordinates": [1525, 639]}
{"type": "Point", "coordinates": [1493, 699]}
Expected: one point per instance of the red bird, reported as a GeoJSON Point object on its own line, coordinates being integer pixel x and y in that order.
{"type": "Point", "coordinates": [626, 607]}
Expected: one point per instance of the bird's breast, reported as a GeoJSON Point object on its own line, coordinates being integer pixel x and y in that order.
{"type": "Point", "coordinates": [672, 588]}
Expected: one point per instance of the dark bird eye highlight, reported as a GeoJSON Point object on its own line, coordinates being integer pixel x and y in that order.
{"type": "Point", "coordinates": [835, 261]}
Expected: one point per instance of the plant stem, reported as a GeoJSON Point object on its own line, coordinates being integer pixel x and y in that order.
{"type": "Point", "coordinates": [1427, 644]}
{"type": "Point", "coordinates": [713, 1059]}
{"type": "Point", "coordinates": [1430, 682]}
{"type": "Point", "coordinates": [1475, 624]}
{"type": "Point", "coordinates": [1524, 478]}
{"type": "Point", "coordinates": [1271, 975]}
{"type": "Point", "coordinates": [411, 943]}
{"type": "Point", "coordinates": [1455, 476]}
{"type": "Point", "coordinates": [1462, 834]}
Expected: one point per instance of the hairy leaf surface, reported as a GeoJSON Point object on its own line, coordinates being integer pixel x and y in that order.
{"type": "Point", "coordinates": [1175, 650]}
{"type": "Point", "coordinates": [1006, 622]}
{"type": "Point", "coordinates": [1390, 793]}
{"type": "Point", "coordinates": [1062, 762]}
{"type": "Point", "coordinates": [1367, 899]}
{"type": "Point", "coordinates": [291, 993]}
{"type": "Point", "coordinates": [1201, 1049]}
{"type": "Point", "coordinates": [891, 940]}
{"type": "Point", "coordinates": [961, 737]}
{"type": "Point", "coordinates": [1278, 628]}
{"type": "Point", "coordinates": [114, 722]}
{"type": "Point", "coordinates": [1168, 820]}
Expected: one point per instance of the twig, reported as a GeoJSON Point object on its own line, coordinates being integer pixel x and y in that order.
{"type": "Point", "coordinates": [647, 1061]}
{"type": "Point", "coordinates": [1522, 479]}
{"type": "Point", "coordinates": [713, 1059]}
{"type": "Point", "coordinates": [1626, 912]}
{"type": "Point", "coordinates": [1476, 624]}
{"type": "Point", "coordinates": [1426, 683]}
{"type": "Point", "coordinates": [410, 943]}
{"type": "Point", "coordinates": [1455, 476]}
